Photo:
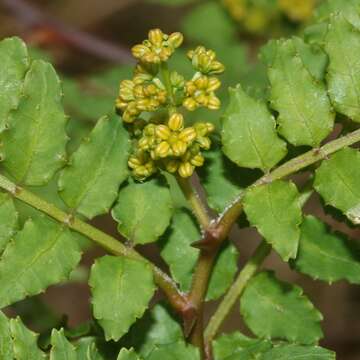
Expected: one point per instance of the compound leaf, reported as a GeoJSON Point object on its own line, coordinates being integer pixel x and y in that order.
{"type": "Point", "coordinates": [14, 62]}
{"type": "Point", "coordinates": [181, 256]}
{"type": "Point", "coordinates": [121, 290]}
{"type": "Point", "coordinates": [249, 137]}
{"type": "Point", "coordinates": [238, 346]}
{"type": "Point", "coordinates": [298, 352]}
{"type": "Point", "coordinates": [337, 180]}
{"type": "Point", "coordinates": [305, 113]}
{"type": "Point", "coordinates": [90, 184]}
{"type": "Point", "coordinates": [143, 211]}
{"type": "Point", "coordinates": [24, 342]}
{"type": "Point", "coordinates": [342, 44]}
{"type": "Point", "coordinates": [61, 349]}
{"type": "Point", "coordinates": [327, 256]}
{"type": "Point", "coordinates": [42, 254]}
{"type": "Point", "coordinates": [9, 220]}
{"type": "Point", "coordinates": [34, 144]}
{"type": "Point", "coordinates": [275, 210]}
{"type": "Point", "coordinates": [176, 351]}
{"type": "Point", "coordinates": [274, 309]}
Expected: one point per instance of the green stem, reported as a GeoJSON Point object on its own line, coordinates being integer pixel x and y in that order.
{"type": "Point", "coordinates": [198, 207]}
{"type": "Point", "coordinates": [228, 218]}
{"type": "Point", "coordinates": [166, 77]}
{"type": "Point", "coordinates": [178, 300]}
{"type": "Point", "coordinates": [236, 290]}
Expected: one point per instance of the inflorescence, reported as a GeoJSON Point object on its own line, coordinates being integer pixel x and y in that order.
{"type": "Point", "coordinates": [153, 101]}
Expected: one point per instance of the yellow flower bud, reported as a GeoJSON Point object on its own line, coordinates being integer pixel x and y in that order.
{"type": "Point", "coordinates": [176, 39]}
{"type": "Point", "coordinates": [204, 142]}
{"type": "Point", "coordinates": [162, 132]}
{"type": "Point", "coordinates": [156, 37]}
{"type": "Point", "coordinates": [186, 169]}
{"type": "Point", "coordinates": [197, 160]}
{"type": "Point", "coordinates": [179, 148]}
{"type": "Point", "coordinates": [163, 149]}
{"type": "Point", "coordinates": [134, 162]}
{"type": "Point", "coordinates": [139, 51]}
{"type": "Point", "coordinates": [217, 67]}
{"type": "Point", "coordinates": [210, 127]}
{"type": "Point", "coordinates": [190, 104]}
{"type": "Point", "coordinates": [187, 135]}
{"type": "Point", "coordinates": [176, 122]}
{"type": "Point", "coordinates": [213, 84]}
{"type": "Point", "coordinates": [214, 103]}
{"type": "Point", "coordinates": [172, 165]}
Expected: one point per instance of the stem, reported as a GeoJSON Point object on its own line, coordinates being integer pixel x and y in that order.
{"type": "Point", "coordinates": [228, 218]}
{"type": "Point", "coordinates": [178, 300]}
{"type": "Point", "coordinates": [198, 207]}
{"type": "Point", "coordinates": [236, 290]}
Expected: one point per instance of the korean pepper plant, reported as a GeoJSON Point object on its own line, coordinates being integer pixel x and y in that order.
{"type": "Point", "coordinates": [170, 177]}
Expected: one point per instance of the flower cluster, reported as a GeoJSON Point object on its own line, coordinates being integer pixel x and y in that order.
{"type": "Point", "coordinates": [150, 104]}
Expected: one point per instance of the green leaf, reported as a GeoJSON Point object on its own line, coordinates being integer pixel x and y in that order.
{"type": "Point", "coordinates": [175, 351]}
{"type": "Point", "coordinates": [117, 297]}
{"type": "Point", "coordinates": [127, 355]}
{"type": "Point", "coordinates": [327, 256]}
{"type": "Point", "coordinates": [24, 342]}
{"type": "Point", "coordinates": [337, 181]}
{"type": "Point", "coordinates": [34, 145]}
{"type": "Point", "coordinates": [248, 135]}
{"type": "Point", "coordinates": [305, 114]}
{"type": "Point", "coordinates": [90, 183]}
{"type": "Point", "coordinates": [61, 349]}
{"type": "Point", "coordinates": [238, 346]}
{"type": "Point", "coordinates": [274, 309]}
{"type": "Point", "coordinates": [298, 352]}
{"type": "Point", "coordinates": [6, 348]}
{"type": "Point", "coordinates": [223, 180]}
{"type": "Point", "coordinates": [14, 62]}
{"type": "Point", "coordinates": [217, 30]}
{"type": "Point", "coordinates": [342, 44]}
{"type": "Point", "coordinates": [9, 220]}
{"type": "Point", "coordinates": [275, 210]}
{"type": "Point", "coordinates": [86, 349]}
{"type": "Point", "coordinates": [143, 211]}
{"type": "Point", "coordinates": [42, 254]}
{"type": "Point", "coordinates": [181, 256]}
{"type": "Point", "coordinates": [161, 329]}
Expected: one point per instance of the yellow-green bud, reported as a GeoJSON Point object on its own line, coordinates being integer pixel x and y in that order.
{"type": "Point", "coordinates": [172, 165]}
{"type": "Point", "coordinates": [190, 104]}
{"type": "Point", "coordinates": [188, 135]}
{"type": "Point", "coordinates": [139, 51]}
{"type": "Point", "coordinates": [156, 37]}
{"type": "Point", "coordinates": [204, 142]}
{"type": "Point", "coordinates": [179, 148]}
{"type": "Point", "coordinates": [214, 103]}
{"type": "Point", "coordinates": [176, 39]}
{"type": "Point", "coordinates": [177, 80]}
{"type": "Point", "coordinates": [176, 122]}
{"type": "Point", "coordinates": [162, 150]}
{"type": "Point", "coordinates": [213, 84]}
{"type": "Point", "coordinates": [186, 169]}
{"type": "Point", "coordinates": [197, 160]}
{"type": "Point", "coordinates": [162, 132]}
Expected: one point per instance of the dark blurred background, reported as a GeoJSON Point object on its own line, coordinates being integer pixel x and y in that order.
{"type": "Point", "coordinates": [89, 41]}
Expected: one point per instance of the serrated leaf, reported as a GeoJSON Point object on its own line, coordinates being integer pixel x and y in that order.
{"type": "Point", "coordinates": [126, 354]}
{"type": "Point", "coordinates": [24, 342]}
{"type": "Point", "coordinates": [6, 348]}
{"type": "Point", "coordinates": [42, 254]}
{"type": "Point", "coordinates": [34, 145]}
{"type": "Point", "coordinates": [238, 346]}
{"type": "Point", "coordinates": [216, 31]}
{"type": "Point", "coordinates": [305, 114]}
{"type": "Point", "coordinates": [14, 62]}
{"type": "Point", "coordinates": [298, 352]}
{"type": "Point", "coordinates": [121, 290]}
{"type": "Point", "coordinates": [342, 44]}
{"type": "Point", "coordinates": [143, 211]}
{"type": "Point", "coordinates": [9, 220]}
{"type": "Point", "coordinates": [86, 349]}
{"type": "Point", "coordinates": [175, 351]}
{"type": "Point", "coordinates": [248, 136]}
{"type": "Point", "coordinates": [161, 329]}
{"type": "Point", "coordinates": [90, 184]}
{"type": "Point", "coordinates": [278, 310]}
{"type": "Point", "coordinates": [275, 210]}
{"type": "Point", "coordinates": [327, 256]}
{"type": "Point", "coordinates": [61, 349]}
{"type": "Point", "coordinates": [181, 256]}
{"type": "Point", "coordinates": [337, 181]}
